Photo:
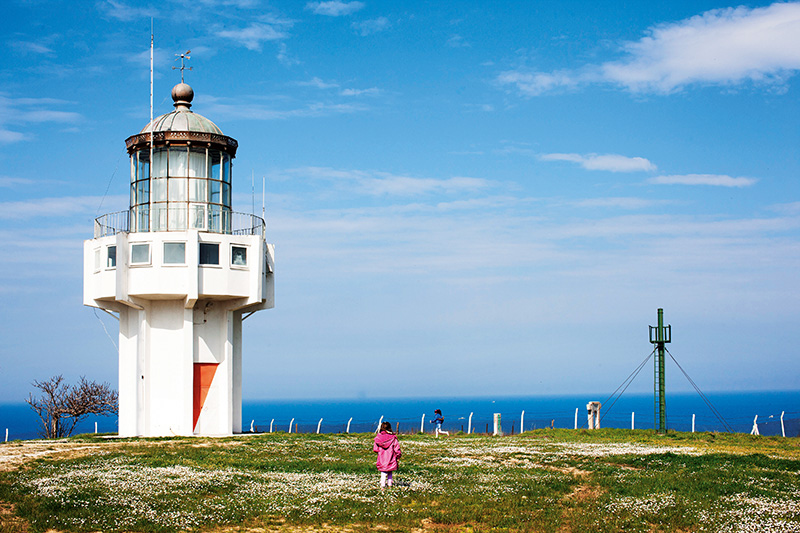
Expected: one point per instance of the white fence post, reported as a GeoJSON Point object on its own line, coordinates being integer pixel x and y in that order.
{"type": "Point", "coordinates": [498, 426]}
{"type": "Point", "coordinates": [290, 425]}
{"type": "Point", "coordinates": [783, 430]}
{"type": "Point", "coordinates": [576, 417]}
{"type": "Point", "coordinates": [469, 424]}
{"type": "Point", "coordinates": [95, 427]}
{"type": "Point", "coordinates": [632, 413]}
{"type": "Point", "coordinates": [7, 432]}
{"type": "Point", "coordinates": [348, 424]}
{"type": "Point", "coordinates": [754, 431]}
{"type": "Point", "coordinates": [422, 424]}
{"type": "Point", "coordinates": [522, 422]}
{"type": "Point", "coordinates": [318, 425]}
{"type": "Point", "coordinates": [252, 425]}
{"type": "Point", "coordinates": [270, 425]}
{"type": "Point", "coordinates": [693, 423]}
{"type": "Point", "coordinates": [377, 429]}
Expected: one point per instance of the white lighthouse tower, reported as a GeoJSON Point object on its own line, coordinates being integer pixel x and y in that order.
{"type": "Point", "coordinates": [181, 271]}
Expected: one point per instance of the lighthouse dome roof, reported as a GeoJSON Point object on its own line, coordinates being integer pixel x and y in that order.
{"type": "Point", "coordinates": [182, 119]}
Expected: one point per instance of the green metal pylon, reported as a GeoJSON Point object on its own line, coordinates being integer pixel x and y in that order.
{"type": "Point", "coordinates": [660, 335]}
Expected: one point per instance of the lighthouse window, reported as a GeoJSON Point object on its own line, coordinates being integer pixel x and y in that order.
{"type": "Point", "coordinates": [197, 216]}
{"type": "Point", "coordinates": [209, 253]}
{"type": "Point", "coordinates": [197, 163]}
{"type": "Point", "coordinates": [179, 162]}
{"type": "Point", "coordinates": [111, 258]}
{"type": "Point", "coordinates": [143, 171]}
{"type": "Point", "coordinates": [174, 253]}
{"type": "Point", "coordinates": [238, 255]}
{"type": "Point", "coordinates": [140, 254]}
{"type": "Point", "coordinates": [142, 191]}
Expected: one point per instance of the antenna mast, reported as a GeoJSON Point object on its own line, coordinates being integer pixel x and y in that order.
{"type": "Point", "coordinates": [660, 335]}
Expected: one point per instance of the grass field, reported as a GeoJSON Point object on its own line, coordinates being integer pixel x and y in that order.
{"type": "Point", "coordinates": [545, 480]}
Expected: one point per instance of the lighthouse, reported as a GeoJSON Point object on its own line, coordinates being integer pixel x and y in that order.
{"type": "Point", "coordinates": [181, 271]}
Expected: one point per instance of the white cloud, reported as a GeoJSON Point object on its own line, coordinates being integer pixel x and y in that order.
{"type": "Point", "coordinates": [22, 111]}
{"type": "Point", "coordinates": [719, 47]}
{"type": "Point", "coordinates": [57, 207]}
{"type": "Point", "coordinates": [254, 111]}
{"type": "Point", "coordinates": [615, 202]}
{"type": "Point", "coordinates": [368, 27]}
{"type": "Point", "coordinates": [608, 162]}
{"type": "Point", "coordinates": [318, 83]}
{"type": "Point", "coordinates": [6, 181]}
{"type": "Point", "coordinates": [386, 184]}
{"type": "Point", "coordinates": [124, 12]}
{"type": "Point", "coordinates": [372, 91]}
{"type": "Point", "coordinates": [718, 180]}
{"type": "Point", "coordinates": [285, 57]}
{"type": "Point", "coordinates": [334, 8]}
{"type": "Point", "coordinates": [32, 47]}
{"type": "Point", "coordinates": [457, 41]}
{"type": "Point", "coordinates": [255, 34]}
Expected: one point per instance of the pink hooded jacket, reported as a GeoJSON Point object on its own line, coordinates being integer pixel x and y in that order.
{"type": "Point", "coordinates": [388, 449]}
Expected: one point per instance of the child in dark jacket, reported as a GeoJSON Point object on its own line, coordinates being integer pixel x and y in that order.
{"type": "Point", "coordinates": [388, 449]}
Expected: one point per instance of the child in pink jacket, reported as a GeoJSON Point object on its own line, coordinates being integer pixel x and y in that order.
{"type": "Point", "coordinates": [388, 449]}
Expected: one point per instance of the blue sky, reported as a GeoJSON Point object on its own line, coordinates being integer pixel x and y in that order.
{"type": "Point", "coordinates": [466, 198]}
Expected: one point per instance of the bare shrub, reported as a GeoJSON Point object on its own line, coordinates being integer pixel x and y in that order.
{"type": "Point", "coordinates": [61, 406]}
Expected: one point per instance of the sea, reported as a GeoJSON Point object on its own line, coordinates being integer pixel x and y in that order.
{"type": "Point", "coordinates": [717, 411]}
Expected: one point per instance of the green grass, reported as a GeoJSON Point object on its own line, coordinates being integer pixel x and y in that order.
{"type": "Point", "coordinates": [546, 480]}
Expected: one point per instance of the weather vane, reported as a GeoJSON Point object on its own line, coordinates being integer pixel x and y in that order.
{"type": "Point", "coordinates": [182, 67]}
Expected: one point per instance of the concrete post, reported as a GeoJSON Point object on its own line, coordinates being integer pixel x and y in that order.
{"type": "Point", "coordinates": [319, 424]}
{"type": "Point", "coordinates": [593, 414]}
{"type": "Point", "coordinates": [469, 424]}
{"type": "Point", "coordinates": [422, 424]}
{"type": "Point", "coordinates": [522, 422]}
{"type": "Point", "coordinates": [290, 425]}
{"type": "Point", "coordinates": [498, 427]}
{"type": "Point", "coordinates": [348, 424]}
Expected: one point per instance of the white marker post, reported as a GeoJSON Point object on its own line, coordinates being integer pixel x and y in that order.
{"type": "Point", "coordinates": [693, 423]}
{"type": "Point", "coordinates": [95, 427]}
{"type": "Point", "coordinates": [7, 433]}
{"type": "Point", "coordinates": [270, 425]}
{"type": "Point", "coordinates": [754, 431]}
{"type": "Point", "coordinates": [319, 424]}
{"type": "Point", "coordinates": [379, 425]}
{"type": "Point", "coordinates": [252, 425]}
{"type": "Point", "coordinates": [498, 426]}
{"type": "Point", "coordinates": [348, 424]}
{"type": "Point", "coordinates": [632, 416]}
{"type": "Point", "coordinates": [290, 425]}
{"type": "Point", "coordinates": [783, 430]}
{"type": "Point", "coordinates": [522, 422]}
{"type": "Point", "coordinates": [422, 424]}
{"type": "Point", "coordinates": [576, 417]}
{"type": "Point", "coordinates": [469, 424]}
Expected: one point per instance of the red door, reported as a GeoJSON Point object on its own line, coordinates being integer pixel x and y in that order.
{"type": "Point", "coordinates": [203, 376]}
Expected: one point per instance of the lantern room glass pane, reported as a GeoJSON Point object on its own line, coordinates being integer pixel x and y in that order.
{"type": "Point", "coordinates": [160, 190]}
{"type": "Point", "coordinates": [133, 194]}
{"type": "Point", "coordinates": [177, 189]}
{"type": "Point", "coordinates": [198, 190]}
{"type": "Point", "coordinates": [177, 218]}
{"type": "Point", "coordinates": [197, 216]}
{"type": "Point", "coordinates": [226, 194]}
{"type": "Point", "coordinates": [214, 218]}
{"type": "Point", "coordinates": [214, 197]}
{"type": "Point", "coordinates": [179, 162]}
{"type": "Point", "coordinates": [142, 216]}
{"type": "Point", "coordinates": [160, 163]}
{"type": "Point", "coordinates": [226, 167]}
{"type": "Point", "coordinates": [197, 163]}
{"type": "Point", "coordinates": [133, 168]}
{"type": "Point", "coordinates": [215, 158]}
{"type": "Point", "coordinates": [143, 191]}
{"type": "Point", "coordinates": [160, 217]}
{"type": "Point", "coordinates": [143, 172]}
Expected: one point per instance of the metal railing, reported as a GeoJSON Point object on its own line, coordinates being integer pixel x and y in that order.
{"type": "Point", "coordinates": [120, 222]}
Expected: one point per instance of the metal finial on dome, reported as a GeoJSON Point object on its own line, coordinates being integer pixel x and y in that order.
{"type": "Point", "coordinates": [182, 95]}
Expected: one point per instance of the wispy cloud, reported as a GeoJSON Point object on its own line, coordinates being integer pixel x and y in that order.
{"type": "Point", "coordinates": [719, 47]}
{"type": "Point", "coordinates": [717, 180]}
{"type": "Point", "coordinates": [608, 162]}
{"type": "Point", "coordinates": [368, 27]}
{"type": "Point", "coordinates": [30, 47]}
{"type": "Point", "coordinates": [257, 33]}
{"type": "Point", "coordinates": [6, 181]}
{"type": "Point", "coordinates": [372, 91]}
{"type": "Point", "coordinates": [318, 83]}
{"type": "Point", "coordinates": [125, 12]}
{"type": "Point", "coordinates": [56, 207]}
{"type": "Point", "coordinates": [256, 111]}
{"type": "Point", "coordinates": [23, 111]}
{"type": "Point", "coordinates": [334, 8]}
{"type": "Point", "coordinates": [615, 203]}
{"type": "Point", "coordinates": [383, 183]}
{"type": "Point", "coordinates": [457, 41]}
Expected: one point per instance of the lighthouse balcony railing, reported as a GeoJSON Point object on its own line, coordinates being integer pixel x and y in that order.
{"type": "Point", "coordinates": [234, 224]}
